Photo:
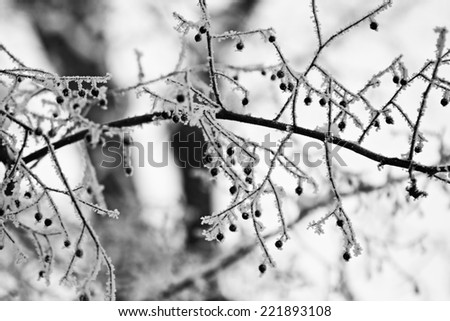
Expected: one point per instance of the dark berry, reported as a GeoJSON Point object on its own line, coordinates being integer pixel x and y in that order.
{"type": "Point", "coordinates": [248, 170]}
{"type": "Point", "coordinates": [75, 106]}
{"type": "Point", "coordinates": [346, 256]}
{"type": "Point", "coordinates": [38, 131]}
{"type": "Point", "coordinates": [67, 243]}
{"type": "Point", "coordinates": [279, 244]}
{"type": "Point", "coordinates": [376, 124]}
{"type": "Point", "coordinates": [272, 38]}
{"type": "Point", "coordinates": [175, 119]}
{"type": "Point", "coordinates": [322, 101]}
{"type": "Point", "coordinates": [262, 268]}
{"type": "Point", "coordinates": [240, 45]}
{"type": "Point", "coordinates": [444, 102]}
{"type": "Point", "coordinates": [418, 149]}
{"type": "Point", "coordinates": [82, 93]}
{"type": "Point", "coordinates": [184, 118]}
{"type": "Point", "coordinates": [198, 37]}
{"type": "Point", "coordinates": [95, 92]}
{"type": "Point", "coordinates": [48, 222]}
{"type": "Point", "coordinates": [299, 190]}
{"type": "Point", "coordinates": [257, 213]}
{"type": "Point", "coordinates": [51, 133]}
{"type": "Point", "coordinates": [41, 274]}
{"type": "Point", "coordinates": [79, 253]}
{"type": "Point", "coordinates": [340, 223]}
{"type": "Point", "coordinates": [273, 77]}
{"type": "Point", "coordinates": [219, 237]}
{"type": "Point", "coordinates": [403, 82]}
{"type": "Point", "coordinates": [341, 125]}
{"type": "Point", "coordinates": [165, 115]}
{"type": "Point", "coordinates": [233, 189]}
{"type": "Point", "coordinates": [47, 259]}
{"type": "Point", "coordinates": [233, 228]}
{"type": "Point", "coordinates": [38, 216]}
{"type": "Point", "coordinates": [307, 101]}
{"type": "Point", "coordinates": [2, 212]}
{"type": "Point", "coordinates": [127, 140]}
{"type": "Point", "coordinates": [19, 79]}
{"type": "Point", "coordinates": [83, 297]}
{"type": "Point", "coordinates": [373, 25]}
{"type": "Point", "coordinates": [414, 192]}
{"type": "Point", "coordinates": [230, 151]}
{"type": "Point", "coordinates": [128, 171]}
{"type": "Point", "coordinates": [245, 101]}
{"type": "Point", "coordinates": [343, 103]}
{"type": "Point", "coordinates": [290, 86]}
{"type": "Point", "coordinates": [65, 92]}
{"type": "Point", "coordinates": [180, 98]}
{"type": "Point", "coordinates": [59, 100]}
{"type": "Point", "coordinates": [102, 102]}
{"type": "Point", "coordinates": [248, 180]}
{"type": "Point", "coordinates": [263, 72]}
{"type": "Point", "coordinates": [389, 120]}
{"type": "Point", "coordinates": [9, 188]}
{"type": "Point", "coordinates": [396, 79]}
{"type": "Point", "coordinates": [202, 29]}
{"type": "Point", "coordinates": [214, 171]}
{"type": "Point", "coordinates": [280, 73]}
{"type": "Point", "coordinates": [89, 190]}
{"type": "Point", "coordinates": [88, 138]}
{"type": "Point", "coordinates": [207, 159]}
{"type": "Point", "coordinates": [283, 86]}
{"type": "Point", "coordinates": [245, 216]}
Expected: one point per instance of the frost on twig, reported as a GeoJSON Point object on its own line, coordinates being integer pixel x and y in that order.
{"type": "Point", "coordinates": [351, 116]}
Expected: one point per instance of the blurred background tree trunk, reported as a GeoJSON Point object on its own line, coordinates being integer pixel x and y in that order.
{"type": "Point", "coordinates": [197, 195]}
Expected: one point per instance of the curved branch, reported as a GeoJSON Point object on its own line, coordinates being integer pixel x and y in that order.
{"type": "Point", "coordinates": [247, 119]}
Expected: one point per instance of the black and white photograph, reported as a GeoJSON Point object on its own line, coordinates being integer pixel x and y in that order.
{"type": "Point", "coordinates": [225, 150]}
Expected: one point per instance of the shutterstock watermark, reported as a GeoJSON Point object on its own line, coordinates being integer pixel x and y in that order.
{"type": "Point", "coordinates": [192, 151]}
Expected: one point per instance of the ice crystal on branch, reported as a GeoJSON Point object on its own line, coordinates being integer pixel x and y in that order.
{"type": "Point", "coordinates": [59, 116]}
